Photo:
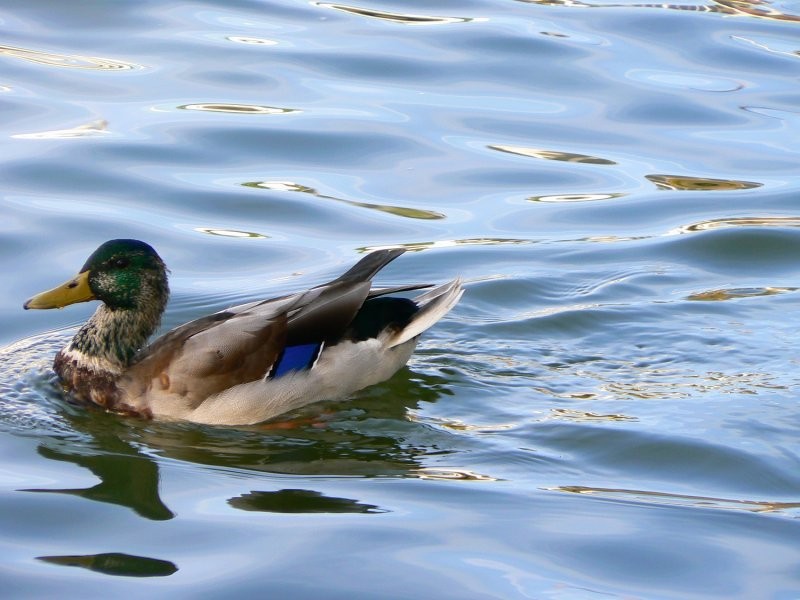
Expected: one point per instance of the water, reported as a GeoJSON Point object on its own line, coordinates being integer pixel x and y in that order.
{"type": "Point", "coordinates": [611, 411]}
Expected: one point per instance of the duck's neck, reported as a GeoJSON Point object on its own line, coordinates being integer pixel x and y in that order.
{"type": "Point", "coordinates": [110, 339]}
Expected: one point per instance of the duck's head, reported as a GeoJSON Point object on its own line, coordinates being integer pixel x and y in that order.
{"type": "Point", "coordinates": [125, 275]}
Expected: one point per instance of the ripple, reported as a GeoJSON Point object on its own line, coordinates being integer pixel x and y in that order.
{"type": "Point", "coordinates": [552, 154]}
{"type": "Point", "coordinates": [685, 81]}
{"type": "Point", "coordinates": [251, 40]}
{"type": "Point", "coordinates": [281, 186]}
{"type": "Point", "coordinates": [734, 293]}
{"type": "Point", "coordinates": [586, 417]}
{"type": "Point", "coordinates": [737, 222]}
{"type": "Point", "coordinates": [711, 382]}
{"type": "Point", "coordinates": [28, 392]}
{"type": "Point", "coordinates": [573, 36]}
{"type": "Point", "coordinates": [247, 109]}
{"type": "Point", "coordinates": [405, 19]}
{"type": "Point", "coordinates": [451, 474]}
{"type": "Point", "coordinates": [734, 383]}
{"type": "Point", "coordinates": [70, 61]}
{"type": "Point", "coordinates": [763, 9]}
{"type": "Point", "coordinates": [459, 425]}
{"type": "Point", "coordinates": [773, 46]}
{"type": "Point", "coordinates": [682, 499]}
{"type": "Point", "coordinates": [575, 197]}
{"type": "Point", "coordinates": [702, 184]}
{"type": "Point", "coordinates": [752, 8]}
{"type": "Point", "coordinates": [399, 211]}
{"type": "Point", "coordinates": [230, 232]}
{"type": "Point", "coordinates": [93, 129]}
{"type": "Point", "coordinates": [613, 239]}
{"type": "Point", "coordinates": [485, 241]}
{"type": "Point", "coordinates": [774, 113]}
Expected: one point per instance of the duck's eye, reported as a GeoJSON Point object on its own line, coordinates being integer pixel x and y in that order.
{"type": "Point", "coordinates": [120, 263]}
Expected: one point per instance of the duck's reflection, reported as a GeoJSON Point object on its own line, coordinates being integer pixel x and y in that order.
{"type": "Point", "coordinates": [116, 563]}
{"type": "Point", "coordinates": [129, 480]}
{"type": "Point", "coordinates": [300, 501]}
{"type": "Point", "coordinates": [368, 436]}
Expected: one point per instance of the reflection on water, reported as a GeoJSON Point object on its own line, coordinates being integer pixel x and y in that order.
{"type": "Point", "coordinates": [789, 509]}
{"type": "Point", "coordinates": [399, 211]}
{"type": "Point", "coordinates": [733, 293]}
{"type": "Point", "coordinates": [95, 128]}
{"type": "Point", "coordinates": [552, 155]}
{"type": "Point", "coordinates": [688, 81]}
{"type": "Point", "coordinates": [242, 109]}
{"type": "Point", "coordinates": [298, 502]}
{"type": "Point", "coordinates": [459, 425]}
{"type": "Point", "coordinates": [116, 563]}
{"type": "Point", "coordinates": [233, 233]}
{"type": "Point", "coordinates": [404, 19]}
{"type": "Point", "coordinates": [452, 474]}
{"type": "Point", "coordinates": [752, 8]}
{"type": "Point", "coordinates": [129, 479]}
{"type": "Point", "coordinates": [791, 116]}
{"type": "Point", "coordinates": [774, 46]}
{"type": "Point", "coordinates": [585, 416]}
{"type": "Point", "coordinates": [725, 223]}
{"type": "Point", "coordinates": [660, 384]}
{"type": "Point", "coordinates": [71, 61]}
{"type": "Point", "coordinates": [281, 186]}
{"type": "Point", "coordinates": [755, 8]}
{"type": "Point", "coordinates": [418, 246]}
{"type": "Point", "coordinates": [684, 182]}
{"type": "Point", "coordinates": [251, 40]}
{"type": "Point", "coordinates": [575, 197]}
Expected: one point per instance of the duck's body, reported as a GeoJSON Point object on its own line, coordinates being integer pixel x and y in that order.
{"type": "Point", "coordinates": [243, 365]}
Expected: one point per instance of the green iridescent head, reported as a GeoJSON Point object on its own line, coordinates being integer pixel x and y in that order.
{"type": "Point", "coordinates": [123, 274]}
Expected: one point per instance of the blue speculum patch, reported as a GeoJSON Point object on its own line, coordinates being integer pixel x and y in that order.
{"type": "Point", "coordinates": [296, 358]}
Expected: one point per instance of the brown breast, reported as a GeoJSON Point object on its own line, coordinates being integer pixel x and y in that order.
{"type": "Point", "coordinates": [87, 385]}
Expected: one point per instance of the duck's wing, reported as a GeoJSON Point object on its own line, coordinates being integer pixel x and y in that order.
{"type": "Point", "coordinates": [249, 342]}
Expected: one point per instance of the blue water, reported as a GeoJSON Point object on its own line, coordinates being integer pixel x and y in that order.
{"type": "Point", "coordinates": [611, 410]}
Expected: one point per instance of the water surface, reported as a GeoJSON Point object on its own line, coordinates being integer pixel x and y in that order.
{"type": "Point", "coordinates": [611, 411]}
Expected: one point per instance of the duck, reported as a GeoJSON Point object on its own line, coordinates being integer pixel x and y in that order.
{"type": "Point", "coordinates": [244, 365]}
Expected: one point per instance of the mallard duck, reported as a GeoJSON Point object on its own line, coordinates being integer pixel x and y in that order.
{"type": "Point", "coordinates": [243, 365]}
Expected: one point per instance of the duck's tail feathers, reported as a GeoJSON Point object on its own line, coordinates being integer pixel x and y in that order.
{"type": "Point", "coordinates": [433, 304]}
{"type": "Point", "coordinates": [367, 267]}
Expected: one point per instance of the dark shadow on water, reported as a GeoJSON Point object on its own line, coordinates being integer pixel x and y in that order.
{"type": "Point", "coordinates": [300, 501]}
{"type": "Point", "coordinates": [125, 480]}
{"type": "Point", "coordinates": [116, 563]}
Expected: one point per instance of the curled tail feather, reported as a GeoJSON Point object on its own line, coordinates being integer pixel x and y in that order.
{"type": "Point", "coordinates": [434, 304]}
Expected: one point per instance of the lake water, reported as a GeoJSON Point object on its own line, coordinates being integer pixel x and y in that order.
{"type": "Point", "coordinates": [610, 412]}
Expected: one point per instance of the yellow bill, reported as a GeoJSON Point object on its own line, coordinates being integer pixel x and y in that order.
{"type": "Point", "coordinates": [70, 292]}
